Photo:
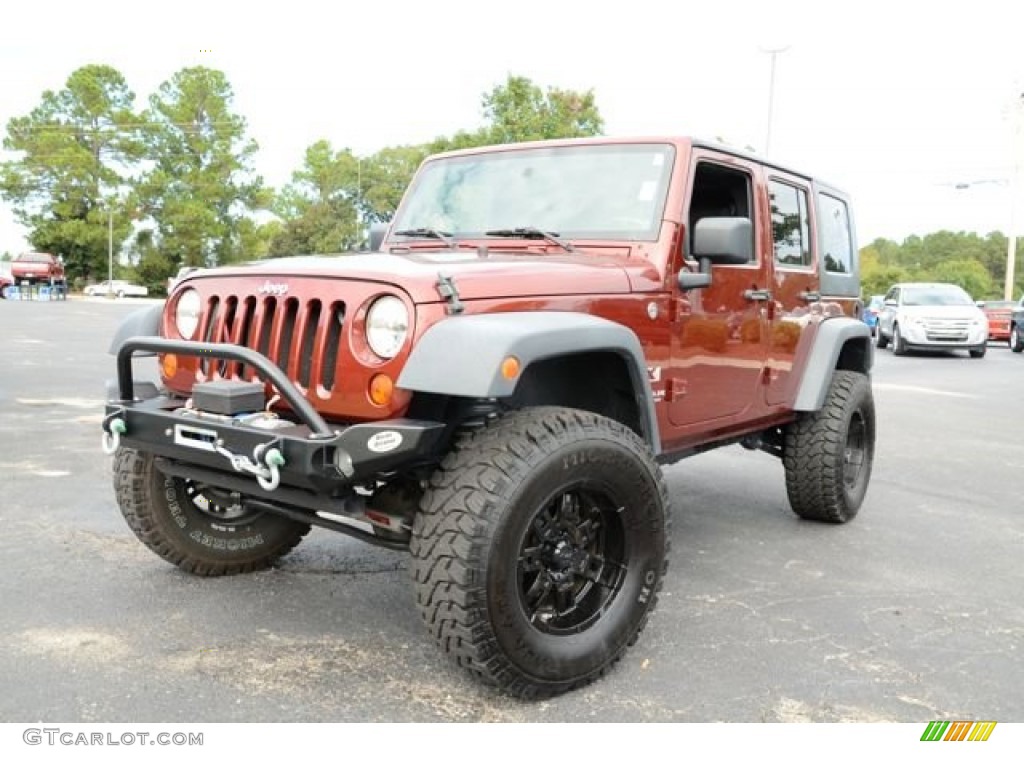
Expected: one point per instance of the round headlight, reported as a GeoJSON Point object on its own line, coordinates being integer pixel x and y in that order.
{"type": "Point", "coordinates": [186, 314]}
{"type": "Point", "coordinates": [387, 325]}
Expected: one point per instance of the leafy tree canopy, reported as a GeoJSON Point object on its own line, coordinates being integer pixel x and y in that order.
{"type": "Point", "coordinates": [77, 148]}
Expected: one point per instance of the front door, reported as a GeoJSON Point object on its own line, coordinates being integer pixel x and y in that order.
{"type": "Point", "coordinates": [720, 334]}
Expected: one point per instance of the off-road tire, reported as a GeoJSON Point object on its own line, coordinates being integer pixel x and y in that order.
{"type": "Point", "coordinates": [1016, 342]}
{"type": "Point", "coordinates": [509, 486]}
{"type": "Point", "coordinates": [828, 454]}
{"type": "Point", "coordinates": [881, 340]}
{"type": "Point", "coordinates": [899, 346]}
{"type": "Point", "coordinates": [161, 514]}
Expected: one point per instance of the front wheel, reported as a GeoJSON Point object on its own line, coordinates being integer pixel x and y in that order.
{"type": "Point", "coordinates": [200, 529]}
{"type": "Point", "coordinates": [899, 346]}
{"type": "Point", "coordinates": [828, 454]}
{"type": "Point", "coordinates": [540, 548]}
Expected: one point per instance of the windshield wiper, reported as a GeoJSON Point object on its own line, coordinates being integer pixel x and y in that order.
{"type": "Point", "coordinates": [444, 237]}
{"type": "Point", "coordinates": [532, 233]}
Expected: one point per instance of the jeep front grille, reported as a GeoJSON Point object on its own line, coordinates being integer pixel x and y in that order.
{"type": "Point", "coordinates": [302, 338]}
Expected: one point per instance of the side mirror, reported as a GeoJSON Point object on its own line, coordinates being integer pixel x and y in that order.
{"type": "Point", "coordinates": [890, 303]}
{"type": "Point", "coordinates": [718, 240]}
{"type": "Point", "coordinates": [724, 239]}
{"type": "Point", "coordinates": [979, 304]}
{"type": "Point", "coordinates": [377, 232]}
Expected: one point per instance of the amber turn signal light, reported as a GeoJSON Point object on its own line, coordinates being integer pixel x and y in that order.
{"type": "Point", "coordinates": [510, 368]}
{"type": "Point", "coordinates": [381, 389]}
{"type": "Point", "coordinates": [169, 365]}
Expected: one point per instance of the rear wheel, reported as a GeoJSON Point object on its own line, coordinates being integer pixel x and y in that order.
{"type": "Point", "coordinates": [540, 548]}
{"type": "Point", "coordinates": [200, 529]}
{"type": "Point", "coordinates": [828, 454]}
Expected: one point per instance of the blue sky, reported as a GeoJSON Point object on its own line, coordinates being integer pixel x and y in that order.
{"type": "Point", "coordinates": [894, 102]}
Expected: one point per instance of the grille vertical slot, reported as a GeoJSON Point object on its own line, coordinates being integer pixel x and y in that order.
{"type": "Point", "coordinates": [329, 365]}
{"type": "Point", "coordinates": [285, 336]}
{"type": "Point", "coordinates": [307, 347]}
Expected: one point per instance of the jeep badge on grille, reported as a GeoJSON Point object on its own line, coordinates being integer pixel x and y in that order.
{"type": "Point", "coordinates": [274, 289]}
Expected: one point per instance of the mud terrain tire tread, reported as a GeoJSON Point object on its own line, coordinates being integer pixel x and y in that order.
{"type": "Point", "coordinates": [140, 489]}
{"type": "Point", "coordinates": [814, 451]}
{"type": "Point", "coordinates": [467, 503]}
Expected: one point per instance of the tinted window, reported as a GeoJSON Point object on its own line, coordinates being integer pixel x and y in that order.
{"type": "Point", "coordinates": [791, 232]}
{"type": "Point", "coordinates": [836, 238]}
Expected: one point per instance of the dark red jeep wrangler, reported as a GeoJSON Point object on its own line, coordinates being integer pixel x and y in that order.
{"type": "Point", "coordinates": [497, 386]}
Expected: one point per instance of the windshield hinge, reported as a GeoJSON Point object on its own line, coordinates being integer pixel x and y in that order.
{"type": "Point", "coordinates": [449, 292]}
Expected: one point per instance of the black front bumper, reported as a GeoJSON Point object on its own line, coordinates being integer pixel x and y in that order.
{"type": "Point", "coordinates": [321, 458]}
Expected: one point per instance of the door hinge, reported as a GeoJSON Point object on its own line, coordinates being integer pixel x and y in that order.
{"type": "Point", "coordinates": [675, 389]}
{"type": "Point", "coordinates": [678, 308]}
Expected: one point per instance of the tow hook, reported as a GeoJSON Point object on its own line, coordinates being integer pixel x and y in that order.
{"type": "Point", "coordinates": [265, 464]}
{"type": "Point", "coordinates": [112, 435]}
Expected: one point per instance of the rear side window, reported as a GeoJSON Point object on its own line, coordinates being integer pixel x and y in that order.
{"type": "Point", "coordinates": [836, 238]}
{"type": "Point", "coordinates": [791, 231]}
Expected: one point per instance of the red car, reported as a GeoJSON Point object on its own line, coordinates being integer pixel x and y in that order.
{"type": "Point", "coordinates": [998, 314]}
{"type": "Point", "coordinates": [37, 268]}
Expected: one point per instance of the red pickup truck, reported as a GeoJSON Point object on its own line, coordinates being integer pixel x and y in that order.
{"type": "Point", "coordinates": [37, 268]}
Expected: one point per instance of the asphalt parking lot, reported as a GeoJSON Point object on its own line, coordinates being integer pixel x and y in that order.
{"type": "Point", "coordinates": [910, 613]}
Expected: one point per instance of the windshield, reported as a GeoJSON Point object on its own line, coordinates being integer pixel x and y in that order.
{"type": "Point", "coordinates": [935, 295]}
{"type": "Point", "coordinates": [609, 191]}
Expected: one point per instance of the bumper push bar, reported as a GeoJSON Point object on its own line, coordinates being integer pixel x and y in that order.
{"type": "Point", "coordinates": [314, 456]}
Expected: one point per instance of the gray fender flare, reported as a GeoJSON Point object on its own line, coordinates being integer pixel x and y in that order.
{"type": "Point", "coordinates": [832, 336]}
{"type": "Point", "coordinates": [144, 321]}
{"type": "Point", "coordinates": [461, 355]}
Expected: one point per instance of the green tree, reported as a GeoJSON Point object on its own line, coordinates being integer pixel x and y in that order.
{"type": "Point", "coordinates": [319, 206]}
{"type": "Point", "coordinates": [77, 149]}
{"type": "Point", "coordinates": [201, 185]}
{"type": "Point", "coordinates": [969, 274]}
{"type": "Point", "coordinates": [519, 110]}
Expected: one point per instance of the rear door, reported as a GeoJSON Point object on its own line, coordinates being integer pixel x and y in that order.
{"type": "Point", "coordinates": [796, 300]}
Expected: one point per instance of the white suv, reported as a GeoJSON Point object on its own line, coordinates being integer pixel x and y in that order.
{"type": "Point", "coordinates": [931, 316]}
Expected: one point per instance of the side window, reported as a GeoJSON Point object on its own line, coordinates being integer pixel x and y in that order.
{"type": "Point", "coordinates": [791, 230]}
{"type": "Point", "coordinates": [836, 239]}
{"type": "Point", "coordinates": [719, 191]}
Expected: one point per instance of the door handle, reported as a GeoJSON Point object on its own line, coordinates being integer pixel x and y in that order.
{"type": "Point", "coordinates": [810, 295]}
{"type": "Point", "coordinates": [755, 294]}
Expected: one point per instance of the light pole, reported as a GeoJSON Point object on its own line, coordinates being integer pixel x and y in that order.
{"type": "Point", "coordinates": [1011, 235]}
{"type": "Point", "coordinates": [773, 52]}
{"type": "Point", "coordinates": [1017, 156]}
{"type": "Point", "coordinates": [110, 249]}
